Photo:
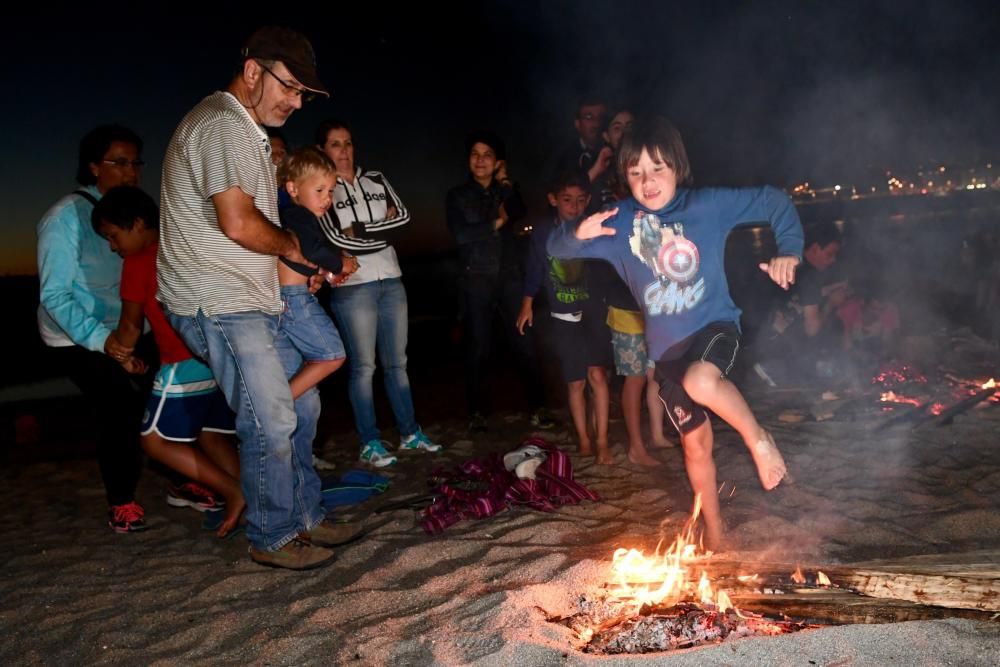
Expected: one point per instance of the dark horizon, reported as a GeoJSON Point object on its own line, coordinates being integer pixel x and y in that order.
{"type": "Point", "coordinates": [770, 93]}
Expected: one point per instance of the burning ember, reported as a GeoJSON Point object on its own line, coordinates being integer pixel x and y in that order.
{"type": "Point", "coordinates": [893, 397]}
{"type": "Point", "coordinates": [891, 376]}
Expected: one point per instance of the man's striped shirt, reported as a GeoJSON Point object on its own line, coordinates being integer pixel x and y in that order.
{"type": "Point", "coordinates": [217, 146]}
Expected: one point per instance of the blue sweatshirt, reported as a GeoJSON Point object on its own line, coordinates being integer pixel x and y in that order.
{"type": "Point", "coordinates": [673, 259]}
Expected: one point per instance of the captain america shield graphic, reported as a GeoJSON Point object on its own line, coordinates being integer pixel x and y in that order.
{"type": "Point", "coordinates": [679, 260]}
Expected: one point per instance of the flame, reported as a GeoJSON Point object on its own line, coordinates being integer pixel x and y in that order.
{"type": "Point", "coordinates": [797, 576]}
{"type": "Point", "coordinates": [990, 384]}
{"type": "Point", "coordinates": [725, 604]}
{"type": "Point", "coordinates": [665, 578]}
{"type": "Point", "coordinates": [822, 579]}
{"type": "Point", "coordinates": [937, 408]}
{"type": "Point", "coordinates": [586, 634]}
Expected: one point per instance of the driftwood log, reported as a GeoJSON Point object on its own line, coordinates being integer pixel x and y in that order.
{"type": "Point", "coordinates": [955, 581]}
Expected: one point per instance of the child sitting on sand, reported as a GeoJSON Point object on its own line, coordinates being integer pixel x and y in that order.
{"type": "Point", "coordinates": [186, 406]}
{"type": "Point", "coordinates": [667, 242]}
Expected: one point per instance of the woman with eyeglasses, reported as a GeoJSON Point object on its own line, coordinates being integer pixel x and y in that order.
{"type": "Point", "coordinates": [79, 307]}
{"type": "Point", "coordinates": [370, 307]}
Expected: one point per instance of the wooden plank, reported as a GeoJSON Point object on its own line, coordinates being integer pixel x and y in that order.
{"type": "Point", "coordinates": [839, 607]}
{"type": "Point", "coordinates": [973, 584]}
{"type": "Point", "coordinates": [942, 590]}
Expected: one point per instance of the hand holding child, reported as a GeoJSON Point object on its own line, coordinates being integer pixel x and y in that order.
{"type": "Point", "coordinates": [350, 265]}
{"type": "Point", "coordinates": [134, 365]}
{"type": "Point", "coordinates": [781, 270]}
{"type": "Point", "coordinates": [114, 349]}
{"type": "Point", "coordinates": [593, 226]}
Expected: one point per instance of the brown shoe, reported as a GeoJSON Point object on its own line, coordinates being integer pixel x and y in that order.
{"type": "Point", "coordinates": [296, 555]}
{"type": "Point", "coordinates": [328, 533]}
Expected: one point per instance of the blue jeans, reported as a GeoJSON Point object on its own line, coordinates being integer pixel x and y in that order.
{"type": "Point", "coordinates": [372, 316]}
{"type": "Point", "coordinates": [281, 488]}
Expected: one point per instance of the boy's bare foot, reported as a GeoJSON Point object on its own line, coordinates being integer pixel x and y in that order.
{"type": "Point", "coordinates": [234, 510]}
{"type": "Point", "coordinates": [663, 444]}
{"type": "Point", "coordinates": [713, 539]}
{"type": "Point", "coordinates": [585, 449]}
{"type": "Point", "coordinates": [770, 464]}
{"type": "Point", "coordinates": [604, 457]}
{"type": "Point", "coordinates": [642, 458]}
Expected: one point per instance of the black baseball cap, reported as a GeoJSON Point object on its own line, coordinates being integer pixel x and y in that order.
{"type": "Point", "coordinates": [291, 48]}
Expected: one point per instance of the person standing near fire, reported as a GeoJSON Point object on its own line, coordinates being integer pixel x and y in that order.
{"type": "Point", "coordinates": [667, 242]}
{"type": "Point", "coordinates": [79, 307]}
{"type": "Point", "coordinates": [217, 278]}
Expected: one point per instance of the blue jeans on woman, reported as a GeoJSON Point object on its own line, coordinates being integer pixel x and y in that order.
{"type": "Point", "coordinates": [252, 367]}
{"type": "Point", "coordinates": [372, 316]}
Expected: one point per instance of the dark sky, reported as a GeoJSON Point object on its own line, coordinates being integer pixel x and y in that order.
{"type": "Point", "coordinates": [763, 92]}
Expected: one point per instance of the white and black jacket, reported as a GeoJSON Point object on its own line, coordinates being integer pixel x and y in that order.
{"type": "Point", "coordinates": [357, 222]}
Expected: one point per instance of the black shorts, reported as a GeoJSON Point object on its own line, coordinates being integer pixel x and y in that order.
{"type": "Point", "coordinates": [717, 343]}
{"type": "Point", "coordinates": [580, 345]}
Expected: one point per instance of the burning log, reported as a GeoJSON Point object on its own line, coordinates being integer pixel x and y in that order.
{"type": "Point", "coordinates": [949, 414]}
{"type": "Point", "coordinates": [926, 581]}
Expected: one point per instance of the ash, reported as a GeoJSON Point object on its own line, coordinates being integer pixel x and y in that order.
{"type": "Point", "coordinates": [612, 627]}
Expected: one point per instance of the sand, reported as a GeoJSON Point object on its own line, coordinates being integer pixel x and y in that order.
{"type": "Point", "coordinates": [72, 592]}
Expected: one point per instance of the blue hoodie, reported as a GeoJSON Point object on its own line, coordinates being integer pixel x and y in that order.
{"type": "Point", "coordinates": [673, 259]}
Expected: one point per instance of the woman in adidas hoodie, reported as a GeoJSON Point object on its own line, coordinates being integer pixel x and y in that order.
{"type": "Point", "coordinates": [370, 306]}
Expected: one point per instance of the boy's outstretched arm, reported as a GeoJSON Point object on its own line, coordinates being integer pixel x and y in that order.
{"type": "Point", "coordinates": [781, 270]}
{"type": "Point", "coordinates": [593, 226]}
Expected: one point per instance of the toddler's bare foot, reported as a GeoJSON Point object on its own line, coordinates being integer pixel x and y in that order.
{"type": "Point", "coordinates": [585, 448]}
{"type": "Point", "coordinates": [770, 465]}
{"type": "Point", "coordinates": [639, 456]}
{"type": "Point", "coordinates": [663, 443]}
{"type": "Point", "coordinates": [234, 510]}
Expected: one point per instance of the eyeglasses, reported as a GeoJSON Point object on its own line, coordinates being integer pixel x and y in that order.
{"type": "Point", "coordinates": [294, 91]}
{"type": "Point", "coordinates": [122, 162]}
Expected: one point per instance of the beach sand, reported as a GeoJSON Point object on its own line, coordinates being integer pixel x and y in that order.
{"type": "Point", "coordinates": [72, 592]}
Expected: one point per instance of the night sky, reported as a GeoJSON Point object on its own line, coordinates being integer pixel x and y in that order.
{"type": "Point", "coordinates": [762, 92]}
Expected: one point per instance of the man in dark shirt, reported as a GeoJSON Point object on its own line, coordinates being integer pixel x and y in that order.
{"type": "Point", "coordinates": [802, 334]}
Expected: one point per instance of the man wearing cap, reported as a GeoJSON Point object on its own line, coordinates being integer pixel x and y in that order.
{"type": "Point", "coordinates": [219, 239]}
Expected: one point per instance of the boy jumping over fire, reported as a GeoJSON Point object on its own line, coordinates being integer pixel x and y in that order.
{"type": "Point", "coordinates": [667, 242]}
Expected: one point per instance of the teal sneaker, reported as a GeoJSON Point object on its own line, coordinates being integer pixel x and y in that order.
{"type": "Point", "coordinates": [375, 453]}
{"type": "Point", "coordinates": [419, 441]}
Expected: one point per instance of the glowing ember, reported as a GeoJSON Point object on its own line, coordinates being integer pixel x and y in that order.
{"type": "Point", "coordinates": [891, 376]}
{"type": "Point", "coordinates": [989, 384]}
{"type": "Point", "coordinates": [797, 576]}
{"type": "Point", "coordinates": [665, 578]}
{"type": "Point", "coordinates": [937, 408]}
{"type": "Point", "coordinates": [822, 579]}
{"type": "Point", "coordinates": [893, 397]}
